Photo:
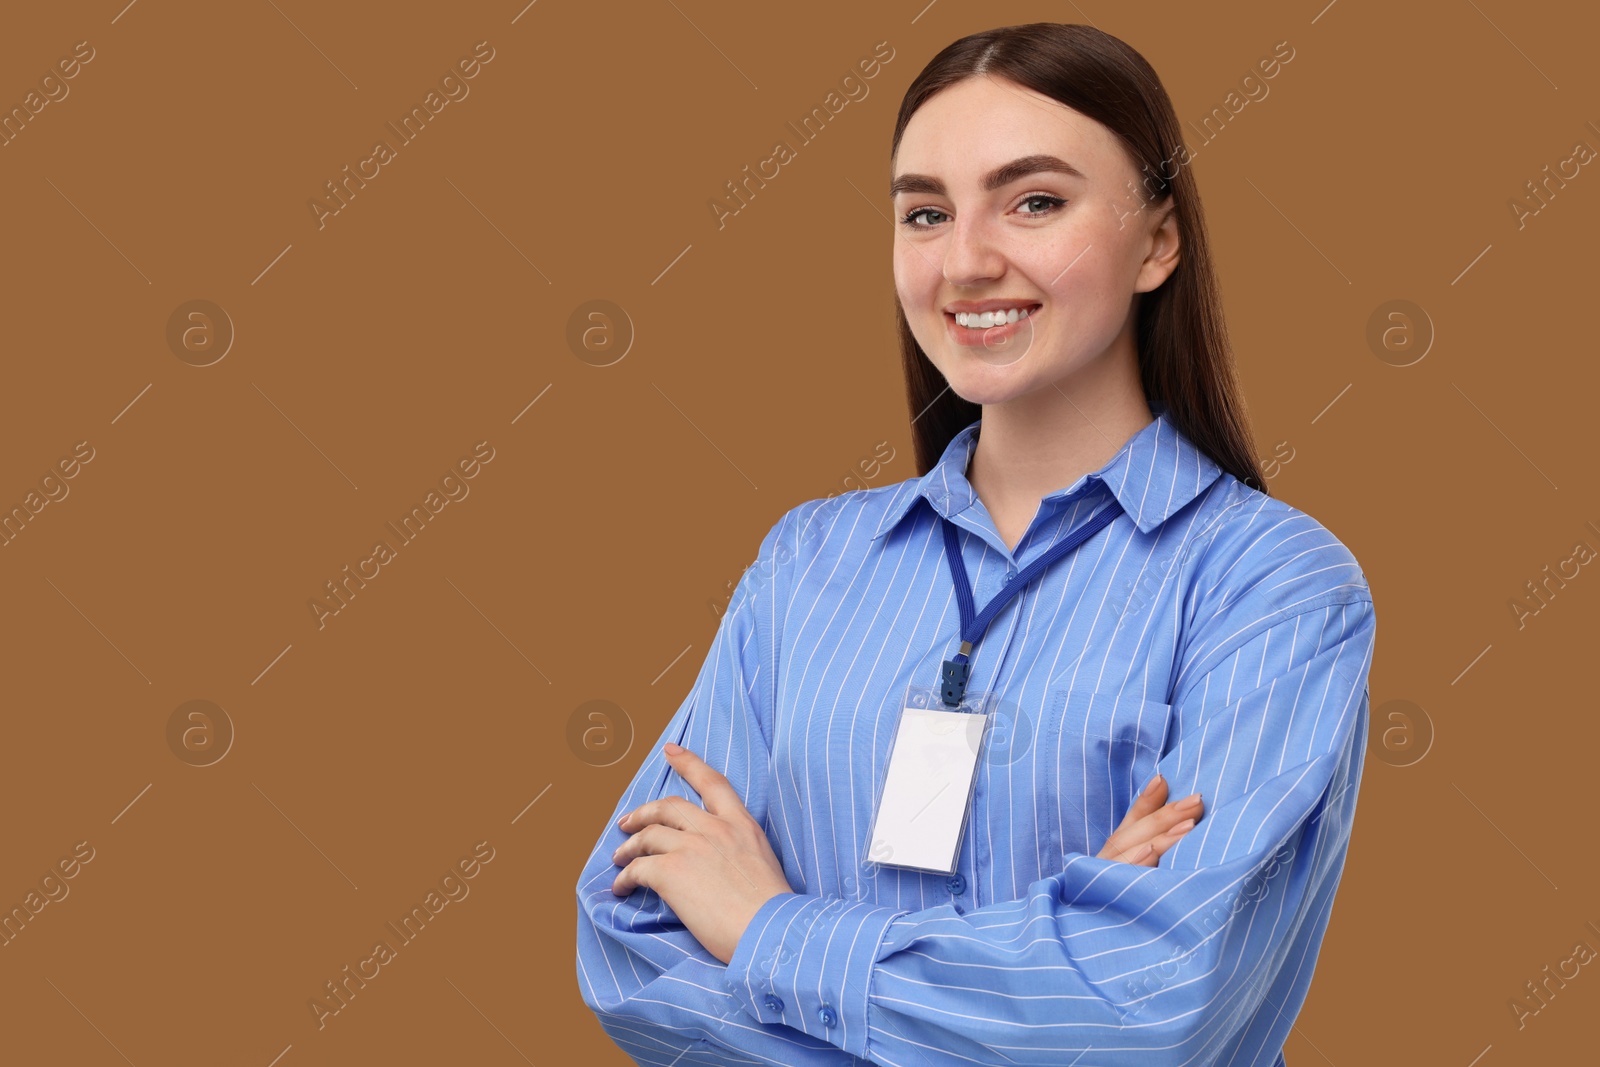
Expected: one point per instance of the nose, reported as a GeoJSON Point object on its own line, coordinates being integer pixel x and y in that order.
{"type": "Point", "coordinates": [971, 255]}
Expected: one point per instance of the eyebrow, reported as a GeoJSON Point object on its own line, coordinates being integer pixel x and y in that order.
{"type": "Point", "coordinates": [1001, 176]}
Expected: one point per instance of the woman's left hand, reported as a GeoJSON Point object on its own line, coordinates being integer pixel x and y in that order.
{"type": "Point", "coordinates": [714, 867]}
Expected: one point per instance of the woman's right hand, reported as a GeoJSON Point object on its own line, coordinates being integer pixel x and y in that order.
{"type": "Point", "coordinates": [1152, 826]}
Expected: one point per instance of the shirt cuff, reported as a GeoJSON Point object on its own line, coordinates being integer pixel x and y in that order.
{"type": "Point", "coordinates": [806, 961]}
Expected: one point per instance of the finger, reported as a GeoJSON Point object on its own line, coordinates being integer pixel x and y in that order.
{"type": "Point", "coordinates": [1146, 803]}
{"type": "Point", "coordinates": [1130, 835]}
{"type": "Point", "coordinates": [1137, 855]}
{"type": "Point", "coordinates": [1150, 799]}
{"type": "Point", "coordinates": [1163, 839]}
{"type": "Point", "coordinates": [1161, 844]}
{"type": "Point", "coordinates": [653, 840]}
{"type": "Point", "coordinates": [713, 786]}
{"type": "Point", "coordinates": [677, 813]}
{"type": "Point", "coordinates": [1166, 817]}
{"type": "Point", "coordinates": [1158, 845]}
{"type": "Point", "coordinates": [673, 811]}
{"type": "Point", "coordinates": [639, 874]}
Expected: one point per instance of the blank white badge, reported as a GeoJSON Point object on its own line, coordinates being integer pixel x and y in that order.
{"type": "Point", "coordinates": [923, 807]}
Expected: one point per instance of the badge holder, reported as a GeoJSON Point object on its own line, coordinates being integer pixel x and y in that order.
{"type": "Point", "coordinates": [925, 791]}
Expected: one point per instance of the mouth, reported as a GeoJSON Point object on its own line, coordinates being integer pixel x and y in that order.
{"type": "Point", "coordinates": [989, 336]}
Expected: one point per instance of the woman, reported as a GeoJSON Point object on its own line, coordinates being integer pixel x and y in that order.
{"type": "Point", "coordinates": [1074, 406]}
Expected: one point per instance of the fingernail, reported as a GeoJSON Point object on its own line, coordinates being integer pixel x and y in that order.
{"type": "Point", "coordinates": [1151, 788]}
{"type": "Point", "coordinates": [1182, 827]}
{"type": "Point", "coordinates": [622, 823]}
{"type": "Point", "coordinates": [1189, 801]}
{"type": "Point", "coordinates": [673, 749]}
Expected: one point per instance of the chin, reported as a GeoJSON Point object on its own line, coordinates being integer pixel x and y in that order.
{"type": "Point", "coordinates": [989, 385]}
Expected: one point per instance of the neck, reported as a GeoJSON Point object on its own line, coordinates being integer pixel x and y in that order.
{"type": "Point", "coordinates": [1032, 445]}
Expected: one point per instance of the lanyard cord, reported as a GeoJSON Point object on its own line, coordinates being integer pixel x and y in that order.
{"type": "Point", "coordinates": [974, 624]}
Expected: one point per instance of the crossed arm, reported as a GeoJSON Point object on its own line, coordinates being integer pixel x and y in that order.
{"type": "Point", "coordinates": [1159, 964]}
{"type": "Point", "coordinates": [715, 867]}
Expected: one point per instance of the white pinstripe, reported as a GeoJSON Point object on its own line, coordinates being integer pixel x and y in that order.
{"type": "Point", "coordinates": [1242, 676]}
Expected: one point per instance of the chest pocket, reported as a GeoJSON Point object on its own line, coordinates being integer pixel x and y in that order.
{"type": "Point", "coordinates": [1100, 749]}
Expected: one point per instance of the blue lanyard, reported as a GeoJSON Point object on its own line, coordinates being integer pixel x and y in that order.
{"type": "Point", "coordinates": [954, 686]}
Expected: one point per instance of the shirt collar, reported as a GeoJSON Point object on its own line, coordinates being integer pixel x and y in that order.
{"type": "Point", "coordinates": [1156, 472]}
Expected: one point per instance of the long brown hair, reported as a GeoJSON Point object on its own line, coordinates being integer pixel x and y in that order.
{"type": "Point", "coordinates": [1185, 361]}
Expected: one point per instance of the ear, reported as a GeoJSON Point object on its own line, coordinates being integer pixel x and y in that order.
{"type": "Point", "coordinates": [1162, 256]}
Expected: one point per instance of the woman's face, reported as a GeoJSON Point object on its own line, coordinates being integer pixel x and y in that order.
{"type": "Point", "coordinates": [982, 234]}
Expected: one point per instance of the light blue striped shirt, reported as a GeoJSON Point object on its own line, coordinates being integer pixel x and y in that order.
{"type": "Point", "coordinates": [1212, 633]}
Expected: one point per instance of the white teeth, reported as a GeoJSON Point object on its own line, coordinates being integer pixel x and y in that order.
{"type": "Point", "coordinates": [986, 319]}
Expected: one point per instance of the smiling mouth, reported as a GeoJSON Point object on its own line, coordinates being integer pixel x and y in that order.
{"type": "Point", "coordinates": [1027, 311]}
{"type": "Point", "coordinates": [972, 335]}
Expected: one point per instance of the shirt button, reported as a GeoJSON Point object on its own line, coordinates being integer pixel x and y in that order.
{"type": "Point", "coordinates": [773, 1003]}
{"type": "Point", "coordinates": [957, 883]}
{"type": "Point", "coordinates": [1007, 579]}
{"type": "Point", "coordinates": [827, 1016]}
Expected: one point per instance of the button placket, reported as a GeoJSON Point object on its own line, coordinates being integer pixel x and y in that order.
{"type": "Point", "coordinates": [997, 643]}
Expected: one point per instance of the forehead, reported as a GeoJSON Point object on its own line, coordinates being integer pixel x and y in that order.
{"type": "Point", "coordinates": [966, 130]}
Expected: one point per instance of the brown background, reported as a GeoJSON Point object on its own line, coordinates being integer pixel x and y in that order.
{"type": "Point", "coordinates": [591, 555]}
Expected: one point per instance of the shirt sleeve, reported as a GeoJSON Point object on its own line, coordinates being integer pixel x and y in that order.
{"type": "Point", "coordinates": [654, 988]}
{"type": "Point", "coordinates": [1147, 966]}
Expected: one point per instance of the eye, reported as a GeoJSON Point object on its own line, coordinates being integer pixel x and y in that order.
{"type": "Point", "coordinates": [1051, 202]}
{"type": "Point", "coordinates": [910, 217]}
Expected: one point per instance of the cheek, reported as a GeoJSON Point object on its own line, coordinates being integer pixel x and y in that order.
{"type": "Point", "coordinates": [1085, 271]}
{"type": "Point", "coordinates": [1095, 244]}
{"type": "Point", "coordinates": [1091, 297]}
{"type": "Point", "coordinates": [914, 275]}
{"type": "Point", "coordinates": [904, 290]}
{"type": "Point", "coordinates": [1071, 276]}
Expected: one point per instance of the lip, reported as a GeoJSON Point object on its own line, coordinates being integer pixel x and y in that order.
{"type": "Point", "coordinates": [986, 337]}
